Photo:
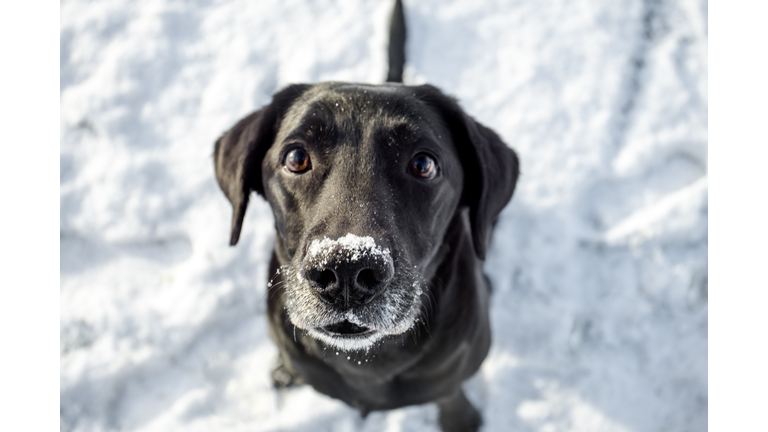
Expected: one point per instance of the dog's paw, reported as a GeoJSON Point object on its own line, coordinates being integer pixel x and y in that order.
{"type": "Point", "coordinates": [458, 415]}
{"type": "Point", "coordinates": [283, 378]}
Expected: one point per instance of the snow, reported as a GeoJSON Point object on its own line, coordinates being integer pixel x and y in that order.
{"type": "Point", "coordinates": [350, 246]}
{"type": "Point", "coordinates": [599, 265]}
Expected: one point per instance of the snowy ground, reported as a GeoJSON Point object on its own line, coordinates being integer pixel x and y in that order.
{"type": "Point", "coordinates": [599, 264]}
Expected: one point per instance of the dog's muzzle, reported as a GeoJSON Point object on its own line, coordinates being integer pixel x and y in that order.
{"type": "Point", "coordinates": [349, 295]}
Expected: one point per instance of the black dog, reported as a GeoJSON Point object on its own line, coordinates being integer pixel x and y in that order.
{"type": "Point", "coordinates": [384, 199]}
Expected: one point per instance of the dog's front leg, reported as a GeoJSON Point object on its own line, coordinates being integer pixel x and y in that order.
{"type": "Point", "coordinates": [283, 375]}
{"type": "Point", "coordinates": [457, 414]}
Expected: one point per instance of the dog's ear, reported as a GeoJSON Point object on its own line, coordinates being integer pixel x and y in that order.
{"type": "Point", "coordinates": [239, 152]}
{"type": "Point", "coordinates": [490, 167]}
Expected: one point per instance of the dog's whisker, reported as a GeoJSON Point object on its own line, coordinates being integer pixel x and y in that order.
{"type": "Point", "coordinates": [432, 302]}
{"type": "Point", "coordinates": [426, 324]}
{"type": "Point", "coordinates": [271, 289]}
{"type": "Point", "coordinates": [413, 335]}
{"type": "Point", "coordinates": [276, 290]}
{"type": "Point", "coordinates": [281, 298]}
{"type": "Point", "coordinates": [276, 287]}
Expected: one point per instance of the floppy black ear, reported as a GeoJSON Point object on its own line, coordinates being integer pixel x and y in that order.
{"type": "Point", "coordinates": [490, 167]}
{"type": "Point", "coordinates": [239, 152]}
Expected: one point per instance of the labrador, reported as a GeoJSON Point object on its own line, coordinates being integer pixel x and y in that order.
{"type": "Point", "coordinates": [384, 198]}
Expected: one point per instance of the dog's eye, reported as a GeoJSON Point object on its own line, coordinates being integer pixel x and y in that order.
{"type": "Point", "coordinates": [297, 161]}
{"type": "Point", "coordinates": [423, 166]}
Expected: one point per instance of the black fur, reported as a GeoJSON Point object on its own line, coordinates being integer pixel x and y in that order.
{"type": "Point", "coordinates": [424, 303]}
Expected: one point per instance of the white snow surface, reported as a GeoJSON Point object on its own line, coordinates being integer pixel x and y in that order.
{"type": "Point", "coordinates": [599, 264]}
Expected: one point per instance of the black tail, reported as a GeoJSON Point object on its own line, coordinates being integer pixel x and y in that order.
{"type": "Point", "coordinates": [396, 44]}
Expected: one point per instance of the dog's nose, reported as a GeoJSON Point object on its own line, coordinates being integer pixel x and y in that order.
{"type": "Point", "coordinates": [344, 277]}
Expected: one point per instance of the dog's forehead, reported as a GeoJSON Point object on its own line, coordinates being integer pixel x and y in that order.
{"type": "Point", "coordinates": [364, 109]}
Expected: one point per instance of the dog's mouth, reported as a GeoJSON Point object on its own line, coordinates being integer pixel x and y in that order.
{"type": "Point", "coordinates": [346, 329]}
{"type": "Point", "coordinates": [346, 335]}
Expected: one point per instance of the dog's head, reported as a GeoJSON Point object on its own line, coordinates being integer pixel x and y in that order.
{"type": "Point", "coordinates": [363, 181]}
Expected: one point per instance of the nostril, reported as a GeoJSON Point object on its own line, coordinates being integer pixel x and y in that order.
{"type": "Point", "coordinates": [325, 278]}
{"type": "Point", "coordinates": [322, 278]}
{"type": "Point", "coordinates": [367, 278]}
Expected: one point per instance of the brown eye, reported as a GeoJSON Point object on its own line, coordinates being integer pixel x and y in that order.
{"type": "Point", "coordinates": [423, 166]}
{"type": "Point", "coordinates": [297, 161]}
